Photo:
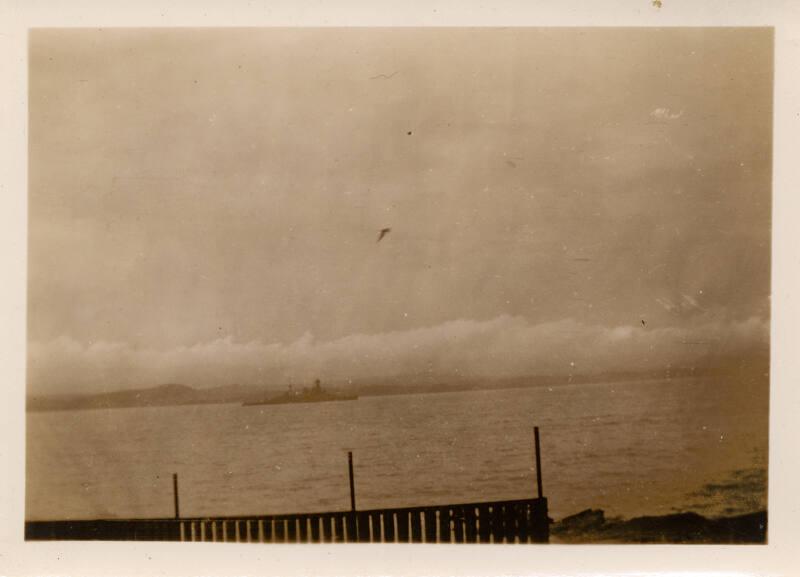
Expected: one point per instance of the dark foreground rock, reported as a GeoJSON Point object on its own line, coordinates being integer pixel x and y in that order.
{"type": "Point", "coordinates": [590, 526]}
{"type": "Point", "coordinates": [588, 520]}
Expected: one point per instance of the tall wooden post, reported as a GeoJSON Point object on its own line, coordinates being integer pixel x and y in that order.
{"type": "Point", "coordinates": [538, 461]}
{"type": "Point", "coordinates": [352, 482]}
{"type": "Point", "coordinates": [175, 494]}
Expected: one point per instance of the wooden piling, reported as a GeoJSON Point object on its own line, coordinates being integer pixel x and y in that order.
{"type": "Point", "coordinates": [281, 530]}
{"type": "Point", "coordinates": [416, 527]}
{"type": "Point", "coordinates": [326, 536]}
{"type": "Point", "coordinates": [458, 523]}
{"type": "Point", "coordinates": [315, 532]}
{"type": "Point", "coordinates": [484, 523]}
{"type": "Point", "coordinates": [388, 527]}
{"type": "Point", "coordinates": [470, 525]}
{"type": "Point", "coordinates": [291, 530]}
{"type": "Point", "coordinates": [268, 533]}
{"type": "Point", "coordinates": [338, 527]}
{"type": "Point", "coordinates": [430, 525]}
{"type": "Point", "coordinates": [175, 495]}
{"type": "Point", "coordinates": [402, 526]}
{"type": "Point", "coordinates": [352, 481]}
{"type": "Point", "coordinates": [444, 525]}
{"type": "Point", "coordinates": [375, 518]}
{"type": "Point", "coordinates": [538, 462]}
{"type": "Point", "coordinates": [362, 528]}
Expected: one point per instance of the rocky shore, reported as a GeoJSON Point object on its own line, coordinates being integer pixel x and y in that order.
{"type": "Point", "coordinates": [591, 526]}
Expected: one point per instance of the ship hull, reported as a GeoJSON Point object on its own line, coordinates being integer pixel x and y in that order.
{"type": "Point", "coordinates": [298, 401]}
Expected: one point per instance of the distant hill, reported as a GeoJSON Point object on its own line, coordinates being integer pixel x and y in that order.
{"type": "Point", "coordinates": [162, 395]}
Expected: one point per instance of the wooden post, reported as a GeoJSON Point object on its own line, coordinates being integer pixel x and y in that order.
{"type": "Point", "coordinates": [538, 461]}
{"type": "Point", "coordinates": [352, 482]}
{"type": "Point", "coordinates": [175, 494]}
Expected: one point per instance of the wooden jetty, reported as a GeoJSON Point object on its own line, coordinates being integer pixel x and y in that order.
{"type": "Point", "coordinates": [521, 521]}
{"type": "Point", "coordinates": [515, 521]}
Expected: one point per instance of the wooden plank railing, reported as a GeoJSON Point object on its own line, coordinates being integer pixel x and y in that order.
{"type": "Point", "coordinates": [520, 521]}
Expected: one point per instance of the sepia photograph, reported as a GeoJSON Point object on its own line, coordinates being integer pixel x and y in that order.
{"type": "Point", "coordinates": [399, 285]}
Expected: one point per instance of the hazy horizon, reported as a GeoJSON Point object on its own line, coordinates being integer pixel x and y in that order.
{"type": "Point", "coordinates": [205, 204]}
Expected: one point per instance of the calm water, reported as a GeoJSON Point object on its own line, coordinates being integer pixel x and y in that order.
{"type": "Point", "coordinates": [631, 449]}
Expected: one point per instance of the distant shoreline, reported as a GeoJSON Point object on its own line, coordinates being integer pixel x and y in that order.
{"type": "Point", "coordinates": [184, 395]}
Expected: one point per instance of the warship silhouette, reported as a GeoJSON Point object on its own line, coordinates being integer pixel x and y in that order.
{"type": "Point", "coordinates": [315, 394]}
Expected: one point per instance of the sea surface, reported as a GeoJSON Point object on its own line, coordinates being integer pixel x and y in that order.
{"type": "Point", "coordinates": [633, 448]}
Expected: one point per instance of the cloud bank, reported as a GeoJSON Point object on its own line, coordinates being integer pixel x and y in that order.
{"type": "Point", "coordinates": [502, 347]}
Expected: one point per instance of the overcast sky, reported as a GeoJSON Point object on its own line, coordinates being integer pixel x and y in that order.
{"type": "Point", "coordinates": [204, 205]}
